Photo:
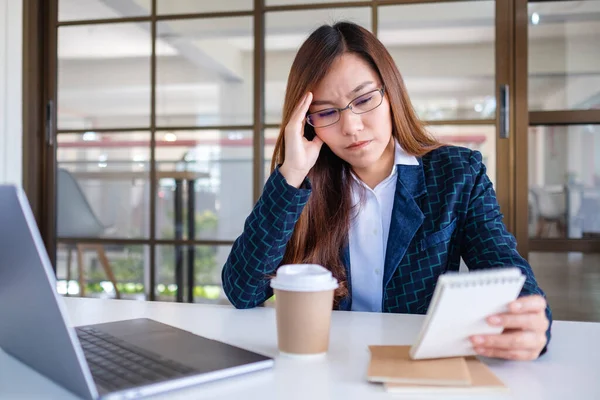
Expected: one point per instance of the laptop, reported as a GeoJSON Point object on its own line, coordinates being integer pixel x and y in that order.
{"type": "Point", "coordinates": [125, 359]}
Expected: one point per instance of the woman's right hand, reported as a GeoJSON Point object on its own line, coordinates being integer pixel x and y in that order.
{"type": "Point", "coordinates": [300, 153]}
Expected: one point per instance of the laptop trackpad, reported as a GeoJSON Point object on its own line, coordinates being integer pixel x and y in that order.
{"type": "Point", "coordinates": [202, 354]}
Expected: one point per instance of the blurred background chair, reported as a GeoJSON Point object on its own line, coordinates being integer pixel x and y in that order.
{"type": "Point", "coordinates": [75, 218]}
{"type": "Point", "coordinates": [549, 205]}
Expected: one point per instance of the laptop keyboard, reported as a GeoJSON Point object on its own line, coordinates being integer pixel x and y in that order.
{"type": "Point", "coordinates": [116, 364]}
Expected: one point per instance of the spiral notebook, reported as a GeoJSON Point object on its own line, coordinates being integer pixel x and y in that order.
{"type": "Point", "coordinates": [459, 308]}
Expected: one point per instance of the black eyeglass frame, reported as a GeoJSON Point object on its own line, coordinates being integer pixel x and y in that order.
{"type": "Point", "coordinates": [348, 107]}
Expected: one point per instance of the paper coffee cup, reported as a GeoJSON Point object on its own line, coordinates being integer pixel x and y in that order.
{"type": "Point", "coordinates": [303, 305]}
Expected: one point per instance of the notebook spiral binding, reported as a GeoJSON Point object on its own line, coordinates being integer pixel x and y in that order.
{"type": "Point", "coordinates": [483, 282]}
{"type": "Point", "coordinates": [483, 278]}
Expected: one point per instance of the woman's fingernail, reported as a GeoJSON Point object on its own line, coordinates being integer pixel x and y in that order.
{"type": "Point", "coordinates": [480, 350]}
{"type": "Point", "coordinates": [517, 306]}
{"type": "Point", "coordinates": [478, 340]}
{"type": "Point", "coordinates": [495, 320]}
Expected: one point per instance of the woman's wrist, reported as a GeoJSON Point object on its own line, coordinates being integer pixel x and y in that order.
{"type": "Point", "coordinates": [292, 176]}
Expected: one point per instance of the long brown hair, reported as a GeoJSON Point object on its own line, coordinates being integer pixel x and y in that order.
{"type": "Point", "coordinates": [322, 229]}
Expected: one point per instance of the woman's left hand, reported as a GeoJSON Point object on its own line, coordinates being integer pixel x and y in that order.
{"type": "Point", "coordinates": [524, 335]}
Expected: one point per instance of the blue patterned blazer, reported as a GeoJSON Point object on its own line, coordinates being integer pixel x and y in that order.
{"type": "Point", "coordinates": [445, 208]}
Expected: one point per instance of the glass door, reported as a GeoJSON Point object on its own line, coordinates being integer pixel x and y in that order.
{"type": "Point", "coordinates": [564, 125]}
{"type": "Point", "coordinates": [558, 150]}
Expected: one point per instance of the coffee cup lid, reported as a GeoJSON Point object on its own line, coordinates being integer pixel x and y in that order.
{"type": "Point", "coordinates": [303, 278]}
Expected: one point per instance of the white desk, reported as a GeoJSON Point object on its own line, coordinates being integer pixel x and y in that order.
{"type": "Point", "coordinates": [568, 371]}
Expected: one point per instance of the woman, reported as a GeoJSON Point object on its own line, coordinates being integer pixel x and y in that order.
{"type": "Point", "coordinates": [359, 187]}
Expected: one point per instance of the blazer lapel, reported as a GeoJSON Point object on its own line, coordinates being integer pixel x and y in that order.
{"type": "Point", "coordinates": [407, 216]}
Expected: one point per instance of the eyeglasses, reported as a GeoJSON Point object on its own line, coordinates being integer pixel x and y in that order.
{"type": "Point", "coordinates": [362, 104]}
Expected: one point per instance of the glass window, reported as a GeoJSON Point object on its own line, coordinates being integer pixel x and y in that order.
{"type": "Point", "coordinates": [103, 78]}
{"type": "Point", "coordinates": [213, 166]}
{"type": "Point", "coordinates": [564, 55]}
{"type": "Point", "coordinates": [208, 263]}
{"type": "Point", "coordinates": [77, 10]}
{"type": "Point", "coordinates": [103, 184]}
{"type": "Point", "coordinates": [285, 33]}
{"type": "Point", "coordinates": [129, 263]}
{"type": "Point", "coordinates": [300, 2]}
{"type": "Point", "coordinates": [445, 53]}
{"type": "Point", "coordinates": [564, 181]}
{"type": "Point", "coordinates": [207, 79]}
{"type": "Point", "coordinates": [201, 6]}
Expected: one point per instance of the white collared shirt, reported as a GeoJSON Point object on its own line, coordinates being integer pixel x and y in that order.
{"type": "Point", "coordinates": [368, 236]}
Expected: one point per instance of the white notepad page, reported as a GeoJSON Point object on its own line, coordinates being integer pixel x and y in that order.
{"type": "Point", "coordinates": [460, 305]}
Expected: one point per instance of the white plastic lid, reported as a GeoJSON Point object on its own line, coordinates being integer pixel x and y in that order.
{"type": "Point", "coordinates": [303, 278]}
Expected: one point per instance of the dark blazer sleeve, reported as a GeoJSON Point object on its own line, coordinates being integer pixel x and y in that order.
{"type": "Point", "coordinates": [486, 242]}
{"type": "Point", "coordinates": [258, 251]}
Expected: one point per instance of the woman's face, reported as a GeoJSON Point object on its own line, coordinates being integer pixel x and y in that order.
{"type": "Point", "coordinates": [359, 139]}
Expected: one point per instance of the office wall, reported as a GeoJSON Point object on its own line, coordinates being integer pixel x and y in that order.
{"type": "Point", "coordinates": [11, 84]}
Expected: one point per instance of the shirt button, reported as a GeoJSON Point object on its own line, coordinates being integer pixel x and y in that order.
{"type": "Point", "coordinates": [377, 271]}
{"type": "Point", "coordinates": [374, 231]}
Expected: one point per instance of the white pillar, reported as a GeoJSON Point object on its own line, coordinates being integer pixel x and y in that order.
{"type": "Point", "coordinates": [11, 84]}
{"type": "Point", "coordinates": [575, 149]}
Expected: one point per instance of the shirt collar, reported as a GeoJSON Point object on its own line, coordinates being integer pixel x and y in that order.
{"type": "Point", "coordinates": [401, 157]}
